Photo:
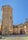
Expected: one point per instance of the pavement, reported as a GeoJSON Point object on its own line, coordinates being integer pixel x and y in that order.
{"type": "Point", "coordinates": [13, 37]}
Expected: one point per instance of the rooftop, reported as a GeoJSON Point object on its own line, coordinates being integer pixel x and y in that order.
{"type": "Point", "coordinates": [6, 6]}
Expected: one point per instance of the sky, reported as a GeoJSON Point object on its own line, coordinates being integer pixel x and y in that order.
{"type": "Point", "coordinates": [20, 10]}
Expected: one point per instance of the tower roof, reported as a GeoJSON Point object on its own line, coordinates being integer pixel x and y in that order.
{"type": "Point", "coordinates": [6, 6]}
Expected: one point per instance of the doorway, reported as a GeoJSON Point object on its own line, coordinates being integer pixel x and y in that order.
{"type": "Point", "coordinates": [0, 33]}
{"type": "Point", "coordinates": [21, 31]}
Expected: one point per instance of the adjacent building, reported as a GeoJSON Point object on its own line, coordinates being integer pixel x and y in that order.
{"type": "Point", "coordinates": [26, 27]}
{"type": "Point", "coordinates": [21, 29]}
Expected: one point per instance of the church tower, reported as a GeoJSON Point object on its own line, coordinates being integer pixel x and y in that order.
{"type": "Point", "coordinates": [7, 22]}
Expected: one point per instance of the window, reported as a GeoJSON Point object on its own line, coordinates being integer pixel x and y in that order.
{"type": "Point", "coordinates": [10, 17]}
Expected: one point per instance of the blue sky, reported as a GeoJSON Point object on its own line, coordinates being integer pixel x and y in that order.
{"type": "Point", "coordinates": [20, 10]}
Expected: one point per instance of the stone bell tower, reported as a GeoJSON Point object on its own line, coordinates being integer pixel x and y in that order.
{"type": "Point", "coordinates": [7, 22]}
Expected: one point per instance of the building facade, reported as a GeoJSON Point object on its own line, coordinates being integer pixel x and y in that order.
{"type": "Point", "coordinates": [15, 30]}
{"type": "Point", "coordinates": [7, 24]}
{"type": "Point", "coordinates": [26, 27]}
{"type": "Point", "coordinates": [0, 30]}
{"type": "Point", "coordinates": [21, 29]}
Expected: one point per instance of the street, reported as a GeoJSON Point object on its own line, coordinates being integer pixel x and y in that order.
{"type": "Point", "coordinates": [15, 38]}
